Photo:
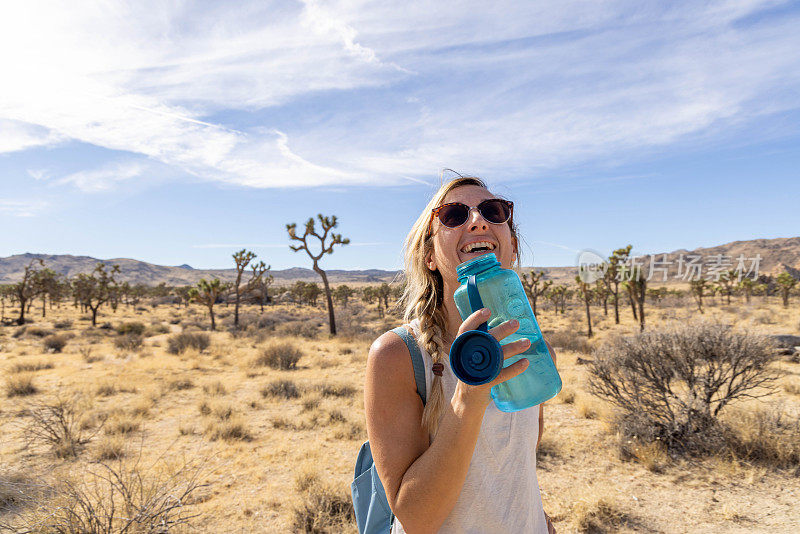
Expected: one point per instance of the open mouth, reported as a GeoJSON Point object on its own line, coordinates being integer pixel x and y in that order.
{"type": "Point", "coordinates": [479, 246]}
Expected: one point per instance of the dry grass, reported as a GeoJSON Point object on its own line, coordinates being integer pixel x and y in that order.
{"type": "Point", "coordinates": [20, 385]}
{"type": "Point", "coordinates": [262, 432]}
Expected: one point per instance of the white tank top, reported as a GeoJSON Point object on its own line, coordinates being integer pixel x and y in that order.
{"type": "Point", "coordinates": [501, 491]}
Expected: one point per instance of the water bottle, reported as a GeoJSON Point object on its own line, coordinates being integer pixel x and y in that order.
{"type": "Point", "coordinates": [476, 356]}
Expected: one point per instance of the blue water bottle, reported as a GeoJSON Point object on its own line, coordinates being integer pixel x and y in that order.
{"type": "Point", "coordinates": [477, 358]}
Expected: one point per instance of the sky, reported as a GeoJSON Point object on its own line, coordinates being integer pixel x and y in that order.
{"type": "Point", "coordinates": [180, 132]}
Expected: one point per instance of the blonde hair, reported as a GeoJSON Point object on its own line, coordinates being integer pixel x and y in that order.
{"type": "Point", "coordinates": [423, 297]}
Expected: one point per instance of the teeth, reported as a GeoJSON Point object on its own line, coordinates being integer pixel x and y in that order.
{"type": "Point", "coordinates": [479, 244]}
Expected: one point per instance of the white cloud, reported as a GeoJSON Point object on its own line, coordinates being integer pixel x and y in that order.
{"type": "Point", "coordinates": [516, 88]}
{"type": "Point", "coordinates": [21, 208]}
{"type": "Point", "coordinates": [104, 178]}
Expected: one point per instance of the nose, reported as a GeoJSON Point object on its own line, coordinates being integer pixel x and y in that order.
{"type": "Point", "coordinates": [476, 220]}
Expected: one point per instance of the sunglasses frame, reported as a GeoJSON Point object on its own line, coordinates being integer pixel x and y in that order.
{"type": "Point", "coordinates": [435, 212]}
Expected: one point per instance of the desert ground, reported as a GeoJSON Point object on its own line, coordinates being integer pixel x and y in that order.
{"type": "Point", "coordinates": [257, 430]}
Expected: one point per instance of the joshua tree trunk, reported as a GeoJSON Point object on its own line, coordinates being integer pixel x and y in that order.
{"type": "Point", "coordinates": [328, 298]}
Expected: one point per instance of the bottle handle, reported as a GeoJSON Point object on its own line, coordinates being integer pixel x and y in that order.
{"type": "Point", "coordinates": [475, 301]}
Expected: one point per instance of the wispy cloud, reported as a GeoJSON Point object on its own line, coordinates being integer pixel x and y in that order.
{"type": "Point", "coordinates": [104, 178]}
{"type": "Point", "coordinates": [397, 90]}
{"type": "Point", "coordinates": [21, 208]}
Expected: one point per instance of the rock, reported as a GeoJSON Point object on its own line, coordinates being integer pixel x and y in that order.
{"type": "Point", "coordinates": [786, 341]}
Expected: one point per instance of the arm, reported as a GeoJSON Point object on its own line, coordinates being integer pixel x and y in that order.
{"type": "Point", "coordinates": [541, 406]}
{"type": "Point", "coordinates": [423, 480]}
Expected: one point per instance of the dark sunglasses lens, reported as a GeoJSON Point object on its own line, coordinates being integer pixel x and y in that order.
{"type": "Point", "coordinates": [454, 215]}
{"type": "Point", "coordinates": [495, 211]}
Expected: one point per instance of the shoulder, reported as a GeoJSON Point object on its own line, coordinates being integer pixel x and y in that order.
{"type": "Point", "coordinates": [389, 353]}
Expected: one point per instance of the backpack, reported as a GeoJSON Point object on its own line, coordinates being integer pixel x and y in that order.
{"type": "Point", "coordinates": [371, 506]}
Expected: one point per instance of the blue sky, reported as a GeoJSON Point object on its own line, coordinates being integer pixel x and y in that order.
{"type": "Point", "coordinates": [179, 132]}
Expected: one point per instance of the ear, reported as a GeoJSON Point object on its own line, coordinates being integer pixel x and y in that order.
{"type": "Point", "coordinates": [430, 262]}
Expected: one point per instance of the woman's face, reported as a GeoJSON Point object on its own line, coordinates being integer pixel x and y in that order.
{"type": "Point", "coordinates": [451, 245]}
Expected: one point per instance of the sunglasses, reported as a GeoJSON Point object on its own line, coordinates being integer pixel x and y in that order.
{"type": "Point", "coordinates": [454, 214]}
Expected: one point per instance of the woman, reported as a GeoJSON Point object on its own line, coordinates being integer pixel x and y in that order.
{"type": "Point", "coordinates": [457, 464]}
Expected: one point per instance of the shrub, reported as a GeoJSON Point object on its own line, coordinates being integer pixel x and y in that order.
{"type": "Point", "coordinates": [129, 342]}
{"type": "Point", "coordinates": [307, 329]}
{"type": "Point", "coordinates": [120, 497]}
{"type": "Point", "coordinates": [281, 388]}
{"type": "Point", "coordinates": [214, 388]}
{"type": "Point", "coordinates": [64, 323]}
{"type": "Point", "coordinates": [230, 429]}
{"type": "Point", "coordinates": [55, 343]}
{"type": "Point", "coordinates": [672, 384]}
{"type": "Point", "coordinates": [179, 343]}
{"type": "Point", "coordinates": [569, 340]}
{"type": "Point", "coordinates": [156, 329]}
{"type": "Point", "coordinates": [107, 389]}
{"type": "Point", "coordinates": [279, 355]}
{"type": "Point", "coordinates": [324, 509]}
{"type": "Point", "coordinates": [20, 385]}
{"type": "Point", "coordinates": [37, 331]}
{"type": "Point", "coordinates": [57, 424]}
{"type": "Point", "coordinates": [28, 367]}
{"type": "Point", "coordinates": [768, 436]}
{"type": "Point", "coordinates": [336, 390]}
{"type": "Point", "coordinates": [135, 327]}
{"type": "Point", "coordinates": [181, 384]}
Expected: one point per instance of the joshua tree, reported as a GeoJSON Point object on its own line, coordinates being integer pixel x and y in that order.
{"type": "Point", "coordinates": [725, 283]}
{"type": "Point", "coordinates": [327, 224]}
{"type": "Point", "coordinates": [343, 294]}
{"type": "Point", "coordinates": [535, 286]}
{"type": "Point", "coordinates": [612, 277]}
{"type": "Point", "coordinates": [207, 293]}
{"type": "Point", "coordinates": [698, 288]}
{"type": "Point", "coordinates": [601, 293]}
{"type": "Point", "coordinates": [586, 291]}
{"type": "Point", "coordinates": [46, 284]}
{"type": "Point", "coordinates": [558, 296]}
{"type": "Point", "coordinates": [26, 289]}
{"type": "Point", "coordinates": [787, 282]}
{"type": "Point", "coordinates": [747, 285]}
{"type": "Point", "coordinates": [242, 260]}
{"type": "Point", "coordinates": [261, 289]}
{"type": "Point", "coordinates": [183, 293]}
{"type": "Point", "coordinates": [95, 289]}
{"type": "Point", "coordinates": [384, 292]}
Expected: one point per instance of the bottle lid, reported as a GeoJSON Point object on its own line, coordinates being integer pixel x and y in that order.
{"type": "Point", "coordinates": [476, 357]}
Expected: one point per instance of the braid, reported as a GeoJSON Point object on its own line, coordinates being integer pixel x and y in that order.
{"type": "Point", "coordinates": [431, 336]}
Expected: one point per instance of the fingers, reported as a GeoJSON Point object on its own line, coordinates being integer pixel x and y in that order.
{"type": "Point", "coordinates": [504, 329]}
{"type": "Point", "coordinates": [475, 320]}
{"type": "Point", "coordinates": [509, 372]}
{"type": "Point", "coordinates": [517, 347]}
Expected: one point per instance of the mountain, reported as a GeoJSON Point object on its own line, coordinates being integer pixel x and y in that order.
{"type": "Point", "coordinates": [777, 255]}
{"type": "Point", "coordinates": [140, 272]}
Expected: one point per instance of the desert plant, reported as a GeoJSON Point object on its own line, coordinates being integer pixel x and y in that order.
{"type": "Point", "coordinates": [134, 327]}
{"type": "Point", "coordinates": [95, 289]}
{"type": "Point", "coordinates": [672, 384]}
{"type": "Point", "coordinates": [242, 260]}
{"type": "Point", "coordinates": [57, 424]}
{"type": "Point", "coordinates": [534, 286]}
{"type": "Point", "coordinates": [327, 224]}
{"type": "Point", "coordinates": [129, 342]}
{"type": "Point", "coordinates": [179, 343]}
{"type": "Point", "coordinates": [324, 509]}
{"type": "Point", "coordinates": [55, 343]}
{"type": "Point", "coordinates": [569, 340]}
{"type": "Point", "coordinates": [120, 497]}
{"type": "Point", "coordinates": [586, 293]}
{"type": "Point", "coordinates": [20, 385]}
{"type": "Point", "coordinates": [285, 389]}
{"type": "Point", "coordinates": [28, 367]}
{"type": "Point", "coordinates": [612, 275]}
{"type": "Point", "coordinates": [281, 355]}
{"type": "Point", "coordinates": [207, 293]}
{"type": "Point", "coordinates": [787, 283]}
{"type": "Point", "coordinates": [27, 288]}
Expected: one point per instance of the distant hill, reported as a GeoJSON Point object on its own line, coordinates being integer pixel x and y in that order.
{"type": "Point", "coordinates": [777, 255]}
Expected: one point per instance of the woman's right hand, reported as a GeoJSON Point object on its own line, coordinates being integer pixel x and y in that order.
{"type": "Point", "coordinates": [478, 397]}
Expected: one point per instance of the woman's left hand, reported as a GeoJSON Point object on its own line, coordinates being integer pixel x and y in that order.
{"type": "Point", "coordinates": [551, 529]}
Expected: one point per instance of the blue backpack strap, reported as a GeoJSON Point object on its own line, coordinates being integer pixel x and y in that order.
{"type": "Point", "coordinates": [416, 361]}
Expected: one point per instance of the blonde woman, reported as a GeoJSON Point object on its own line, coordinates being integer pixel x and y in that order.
{"type": "Point", "coordinates": [458, 464]}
